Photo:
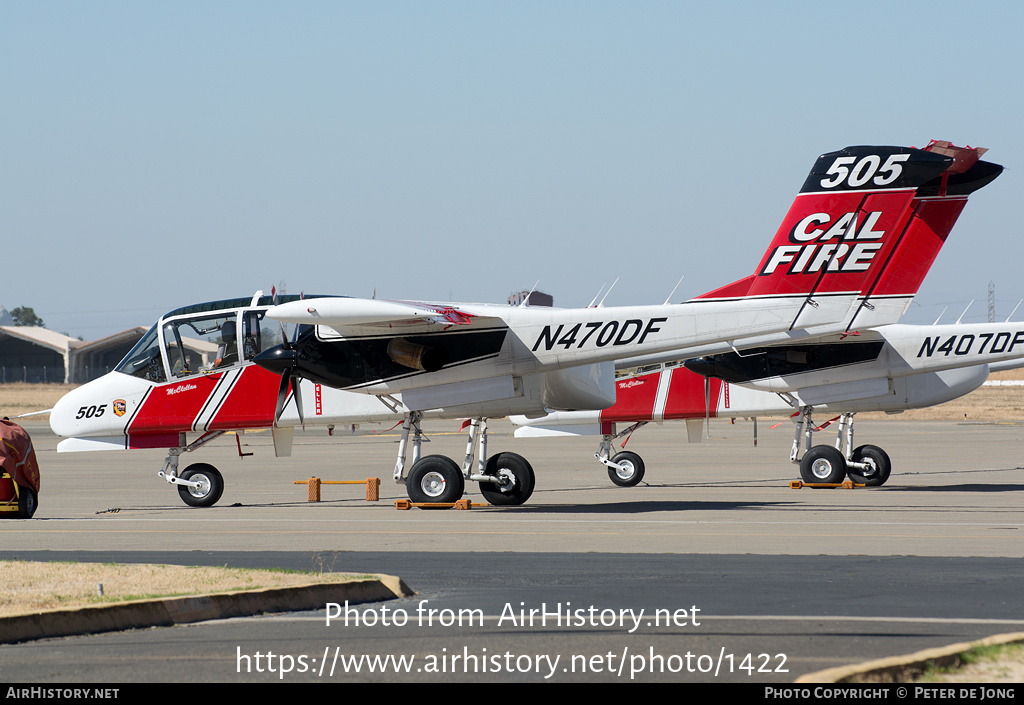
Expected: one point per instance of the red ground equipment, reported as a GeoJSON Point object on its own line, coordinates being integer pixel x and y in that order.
{"type": "Point", "coordinates": [19, 472]}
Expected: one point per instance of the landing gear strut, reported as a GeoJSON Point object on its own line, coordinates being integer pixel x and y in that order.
{"type": "Point", "coordinates": [200, 484]}
{"type": "Point", "coordinates": [865, 465]}
{"type": "Point", "coordinates": [505, 479]}
{"type": "Point", "coordinates": [625, 469]}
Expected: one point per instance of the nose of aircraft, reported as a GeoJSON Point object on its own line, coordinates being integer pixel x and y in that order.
{"type": "Point", "coordinates": [77, 410]}
{"type": "Point", "coordinates": [59, 416]}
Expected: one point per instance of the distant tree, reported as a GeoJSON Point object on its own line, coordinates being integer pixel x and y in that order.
{"type": "Point", "coordinates": [25, 316]}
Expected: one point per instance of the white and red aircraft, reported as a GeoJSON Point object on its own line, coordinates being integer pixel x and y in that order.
{"type": "Point", "coordinates": [891, 369]}
{"type": "Point", "coordinates": [852, 252]}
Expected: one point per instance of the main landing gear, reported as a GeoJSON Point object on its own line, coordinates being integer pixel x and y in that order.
{"type": "Point", "coordinates": [866, 465]}
{"type": "Point", "coordinates": [504, 479]}
{"type": "Point", "coordinates": [200, 484]}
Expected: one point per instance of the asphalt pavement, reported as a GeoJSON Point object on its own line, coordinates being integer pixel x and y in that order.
{"type": "Point", "coordinates": [712, 569]}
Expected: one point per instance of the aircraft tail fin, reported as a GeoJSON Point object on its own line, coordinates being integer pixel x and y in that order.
{"type": "Point", "coordinates": [868, 222]}
{"type": "Point", "coordinates": [934, 211]}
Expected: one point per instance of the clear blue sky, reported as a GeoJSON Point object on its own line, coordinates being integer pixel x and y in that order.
{"type": "Point", "coordinates": [162, 154]}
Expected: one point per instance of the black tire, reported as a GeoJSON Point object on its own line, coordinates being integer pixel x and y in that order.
{"type": "Point", "coordinates": [212, 485]}
{"type": "Point", "coordinates": [518, 477]}
{"type": "Point", "coordinates": [823, 465]}
{"type": "Point", "coordinates": [873, 455]}
{"type": "Point", "coordinates": [435, 479]}
{"type": "Point", "coordinates": [632, 472]}
{"type": "Point", "coordinates": [28, 502]}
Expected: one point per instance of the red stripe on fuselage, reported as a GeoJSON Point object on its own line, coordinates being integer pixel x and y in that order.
{"type": "Point", "coordinates": [173, 407]}
{"type": "Point", "coordinates": [686, 398]}
{"type": "Point", "coordinates": [252, 402]}
{"type": "Point", "coordinates": [156, 440]}
{"type": "Point", "coordinates": [634, 399]}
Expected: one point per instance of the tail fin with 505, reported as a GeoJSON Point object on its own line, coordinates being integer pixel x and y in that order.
{"type": "Point", "coordinates": [868, 220]}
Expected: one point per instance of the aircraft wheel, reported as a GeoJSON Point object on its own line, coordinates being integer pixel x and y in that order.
{"type": "Point", "coordinates": [823, 464]}
{"type": "Point", "coordinates": [28, 502]}
{"type": "Point", "coordinates": [211, 485]}
{"type": "Point", "coordinates": [875, 457]}
{"type": "Point", "coordinates": [435, 478]}
{"type": "Point", "coordinates": [517, 478]}
{"type": "Point", "coordinates": [632, 469]}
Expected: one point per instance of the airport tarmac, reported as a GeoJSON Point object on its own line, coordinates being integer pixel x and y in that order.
{"type": "Point", "coordinates": [811, 578]}
{"type": "Point", "coordinates": [956, 490]}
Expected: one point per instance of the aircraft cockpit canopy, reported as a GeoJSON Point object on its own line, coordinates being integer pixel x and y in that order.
{"type": "Point", "coordinates": [203, 339]}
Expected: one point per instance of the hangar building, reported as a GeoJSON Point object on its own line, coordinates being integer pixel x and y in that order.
{"type": "Point", "coordinates": [33, 354]}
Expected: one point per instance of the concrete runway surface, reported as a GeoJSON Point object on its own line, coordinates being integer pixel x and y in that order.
{"type": "Point", "coordinates": [783, 582]}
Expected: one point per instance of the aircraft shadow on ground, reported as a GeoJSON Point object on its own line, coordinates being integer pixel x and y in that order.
{"type": "Point", "coordinates": [123, 509]}
{"type": "Point", "coordinates": [642, 507]}
{"type": "Point", "coordinates": [977, 487]}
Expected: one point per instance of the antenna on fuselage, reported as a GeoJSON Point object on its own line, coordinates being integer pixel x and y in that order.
{"type": "Point", "coordinates": [1014, 310]}
{"type": "Point", "coordinates": [601, 303]}
{"type": "Point", "coordinates": [674, 289]}
{"type": "Point", "coordinates": [526, 298]}
{"type": "Point", "coordinates": [964, 313]}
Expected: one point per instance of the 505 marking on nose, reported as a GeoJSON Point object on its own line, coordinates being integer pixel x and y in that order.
{"type": "Point", "coordinates": [91, 412]}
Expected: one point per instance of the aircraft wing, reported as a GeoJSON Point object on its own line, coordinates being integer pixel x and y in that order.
{"type": "Point", "coordinates": [341, 313]}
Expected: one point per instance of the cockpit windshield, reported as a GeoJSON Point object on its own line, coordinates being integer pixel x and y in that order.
{"type": "Point", "coordinates": [199, 344]}
{"type": "Point", "coordinates": [144, 359]}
